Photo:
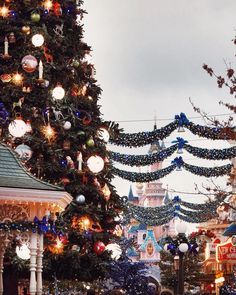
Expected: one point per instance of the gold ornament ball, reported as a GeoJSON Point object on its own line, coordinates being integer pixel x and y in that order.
{"type": "Point", "coordinates": [25, 30]}
{"type": "Point", "coordinates": [35, 17]}
{"type": "Point", "coordinates": [90, 142]}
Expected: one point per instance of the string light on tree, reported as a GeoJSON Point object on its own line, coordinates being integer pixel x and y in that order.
{"type": "Point", "coordinates": [95, 164]}
{"type": "Point", "coordinates": [58, 92]}
{"type": "Point", "coordinates": [17, 79]}
{"type": "Point", "coordinates": [37, 40]}
{"type": "Point", "coordinates": [4, 11]}
{"type": "Point", "coordinates": [47, 4]}
{"type": "Point", "coordinates": [48, 132]}
{"type": "Point", "coordinates": [17, 128]}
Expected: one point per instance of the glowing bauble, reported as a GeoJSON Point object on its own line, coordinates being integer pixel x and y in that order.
{"type": "Point", "coordinates": [183, 247]}
{"type": "Point", "coordinates": [24, 152]}
{"type": "Point", "coordinates": [181, 227]}
{"type": "Point", "coordinates": [17, 128]}
{"type": "Point", "coordinates": [35, 17]}
{"type": "Point", "coordinates": [95, 164]}
{"type": "Point", "coordinates": [115, 250]}
{"type": "Point", "coordinates": [67, 125]}
{"type": "Point", "coordinates": [37, 40]}
{"type": "Point", "coordinates": [29, 63]}
{"type": "Point", "coordinates": [58, 92]}
{"type": "Point", "coordinates": [103, 134]}
{"type": "Point", "coordinates": [99, 247]}
{"type": "Point", "coordinates": [23, 252]}
{"type": "Point", "coordinates": [80, 199]}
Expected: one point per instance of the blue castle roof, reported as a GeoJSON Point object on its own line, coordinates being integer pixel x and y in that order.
{"type": "Point", "coordinates": [131, 196]}
{"type": "Point", "coordinates": [134, 228]}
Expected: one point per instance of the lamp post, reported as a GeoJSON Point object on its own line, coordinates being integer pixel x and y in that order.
{"type": "Point", "coordinates": [181, 229]}
{"type": "Point", "coordinates": [176, 268]}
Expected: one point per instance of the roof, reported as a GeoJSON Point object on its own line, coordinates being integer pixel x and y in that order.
{"type": "Point", "coordinates": [131, 196]}
{"type": "Point", "coordinates": [166, 198]}
{"type": "Point", "coordinates": [14, 175]}
{"type": "Point", "coordinates": [230, 230]}
{"type": "Point", "coordinates": [150, 238]}
{"type": "Point", "coordinates": [133, 229]}
{"type": "Point", "coordinates": [137, 227]}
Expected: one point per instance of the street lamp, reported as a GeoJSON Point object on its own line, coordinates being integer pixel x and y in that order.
{"type": "Point", "coordinates": [177, 247]}
{"type": "Point", "coordinates": [183, 247]}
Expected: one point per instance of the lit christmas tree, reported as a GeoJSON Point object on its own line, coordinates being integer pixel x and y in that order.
{"type": "Point", "coordinates": [49, 115]}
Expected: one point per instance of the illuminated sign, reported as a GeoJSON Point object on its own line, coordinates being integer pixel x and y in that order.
{"type": "Point", "coordinates": [225, 251]}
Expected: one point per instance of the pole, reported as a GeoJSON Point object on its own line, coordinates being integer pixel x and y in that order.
{"type": "Point", "coordinates": [181, 275]}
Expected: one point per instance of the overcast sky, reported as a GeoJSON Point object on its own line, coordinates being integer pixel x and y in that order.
{"type": "Point", "coordinates": [149, 56]}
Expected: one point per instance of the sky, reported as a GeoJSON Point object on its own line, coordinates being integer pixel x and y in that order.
{"type": "Point", "coordinates": [148, 57]}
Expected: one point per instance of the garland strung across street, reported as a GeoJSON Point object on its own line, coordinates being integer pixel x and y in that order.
{"type": "Point", "coordinates": [177, 163]}
{"type": "Point", "coordinates": [144, 138]}
{"type": "Point", "coordinates": [153, 216]}
{"type": "Point", "coordinates": [179, 145]}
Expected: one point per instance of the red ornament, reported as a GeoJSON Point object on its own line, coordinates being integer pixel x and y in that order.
{"type": "Point", "coordinates": [99, 247]}
{"type": "Point", "coordinates": [57, 9]}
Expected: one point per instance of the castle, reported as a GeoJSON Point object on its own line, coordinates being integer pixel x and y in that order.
{"type": "Point", "coordinates": [151, 194]}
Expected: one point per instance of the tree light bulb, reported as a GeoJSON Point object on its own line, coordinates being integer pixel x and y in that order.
{"type": "Point", "coordinates": [17, 79]}
{"type": "Point", "coordinates": [4, 11]}
{"type": "Point", "coordinates": [47, 4]}
{"type": "Point", "coordinates": [58, 92]}
{"type": "Point", "coordinates": [37, 40]}
{"type": "Point", "coordinates": [48, 132]}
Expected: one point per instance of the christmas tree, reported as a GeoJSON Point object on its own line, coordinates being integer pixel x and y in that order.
{"type": "Point", "coordinates": [49, 114]}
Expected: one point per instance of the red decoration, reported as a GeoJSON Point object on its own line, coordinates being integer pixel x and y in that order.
{"type": "Point", "coordinates": [99, 247]}
{"type": "Point", "coordinates": [57, 9]}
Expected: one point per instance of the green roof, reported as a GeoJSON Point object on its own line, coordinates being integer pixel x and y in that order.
{"type": "Point", "coordinates": [14, 175]}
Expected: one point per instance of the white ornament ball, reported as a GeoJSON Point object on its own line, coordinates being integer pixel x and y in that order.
{"type": "Point", "coordinates": [95, 164]}
{"type": "Point", "coordinates": [37, 40]}
{"type": "Point", "coordinates": [58, 92]}
{"type": "Point", "coordinates": [24, 152]}
{"type": "Point", "coordinates": [183, 247]}
{"type": "Point", "coordinates": [17, 128]}
{"type": "Point", "coordinates": [67, 125]}
{"type": "Point", "coordinates": [29, 63]}
{"type": "Point", "coordinates": [80, 199]}
{"type": "Point", "coordinates": [103, 134]}
{"type": "Point", "coordinates": [115, 250]}
{"type": "Point", "coordinates": [23, 252]}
